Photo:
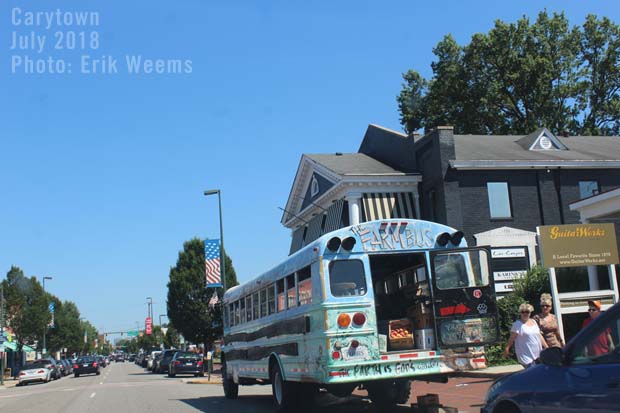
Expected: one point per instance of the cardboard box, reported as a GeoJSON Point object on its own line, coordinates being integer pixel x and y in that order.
{"type": "Point", "coordinates": [425, 339]}
{"type": "Point", "coordinates": [400, 335]}
{"type": "Point", "coordinates": [422, 321]}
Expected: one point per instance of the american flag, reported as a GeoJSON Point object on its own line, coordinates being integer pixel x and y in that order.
{"type": "Point", "coordinates": [212, 263]}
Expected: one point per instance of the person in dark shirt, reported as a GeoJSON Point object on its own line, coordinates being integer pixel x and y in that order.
{"type": "Point", "coordinates": [603, 343]}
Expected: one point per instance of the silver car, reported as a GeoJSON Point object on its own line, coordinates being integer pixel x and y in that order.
{"type": "Point", "coordinates": [34, 372]}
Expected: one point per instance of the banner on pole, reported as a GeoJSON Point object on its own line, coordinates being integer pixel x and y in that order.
{"type": "Point", "coordinates": [51, 309]}
{"type": "Point", "coordinates": [212, 263]}
{"type": "Point", "coordinates": [149, 326]}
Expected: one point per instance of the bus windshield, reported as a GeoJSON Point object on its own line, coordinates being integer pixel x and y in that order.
{"type": "Point", "coordinates": [346, 278]}
{"type": "Point", "coordinates": [461, 269]}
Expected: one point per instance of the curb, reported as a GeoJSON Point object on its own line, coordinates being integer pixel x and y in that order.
{"type": "Point", "coordinates": [214, 380]}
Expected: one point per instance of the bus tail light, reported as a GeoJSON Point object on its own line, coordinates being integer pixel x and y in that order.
{"type": "Point", "coordinates": [359, 319]}
{"type": "Point", "coordinates": [344, 320]}
{"type": "Point", "coordinates": [355, 344]}
{"type": "Point", "coordinates": [336, 355]}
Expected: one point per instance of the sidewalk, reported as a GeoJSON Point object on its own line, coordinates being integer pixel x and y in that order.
{"type": "Point", "coordinates": [491, 372]}
{"type": "Point", "coordinates": [8, 383]}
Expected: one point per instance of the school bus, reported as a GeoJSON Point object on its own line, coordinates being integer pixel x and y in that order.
{"type": "Point", "coordinates": [371, 306]}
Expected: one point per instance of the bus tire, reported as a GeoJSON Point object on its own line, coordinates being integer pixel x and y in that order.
{"type": "Point", "coordinates": [231, 389]}
{"type": "Point", "coordinates": [284, 394]}
{"type": "Point", "coordinates": [389, 393]}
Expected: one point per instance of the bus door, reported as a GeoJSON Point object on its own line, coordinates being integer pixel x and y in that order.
{"type": "Point", "coordinates": [463, 297]}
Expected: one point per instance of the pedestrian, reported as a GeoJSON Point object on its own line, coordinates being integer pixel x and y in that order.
{"type": "Point", "coordinates": [548, 323]}
{"type": "Point", "coordinates": [602, 344]}
{"type": "Point", "coordinates": [526, 336]}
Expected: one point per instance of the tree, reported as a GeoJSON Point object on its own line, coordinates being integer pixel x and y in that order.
{"type": "Point", "coordinates": [188, 297]}
{"type": "Point", "coordinates": [67, 331]}
{"type": "Point", "coordinates": [172, 339]}
{"type": "Point", "coordinates": [521, 76]}
{"type": "Point", "coordinates": [27, 307]}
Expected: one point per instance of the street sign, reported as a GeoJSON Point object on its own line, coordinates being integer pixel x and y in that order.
{"type": "Point", "coordinates": [133, 333]}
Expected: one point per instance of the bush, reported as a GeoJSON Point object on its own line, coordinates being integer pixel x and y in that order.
{"type": "Point", "coordinates": [527, 289]}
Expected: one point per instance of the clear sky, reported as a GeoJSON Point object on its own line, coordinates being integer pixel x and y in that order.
{"type": "Point", "coordinates": [102, 175]}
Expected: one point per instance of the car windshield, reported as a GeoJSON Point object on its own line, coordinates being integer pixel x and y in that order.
{"type": "Point", "coordinates": [187, 355]}
{"type": "Point", "coordinates": [86, 360]}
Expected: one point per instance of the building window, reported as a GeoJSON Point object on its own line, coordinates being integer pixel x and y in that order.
{"type": "Point", "coordinates": [314, 187]}
{"type": "Point", "coordinates": [587, 189]}
{"type": "Point", "coordinates": [499, 200]}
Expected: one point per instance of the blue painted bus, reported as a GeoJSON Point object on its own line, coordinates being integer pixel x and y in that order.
{"type": "Point", "coordinates": [370, 306]}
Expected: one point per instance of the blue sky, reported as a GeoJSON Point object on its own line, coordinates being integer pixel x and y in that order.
{"type": "Point", "coordinates": [102, 176]}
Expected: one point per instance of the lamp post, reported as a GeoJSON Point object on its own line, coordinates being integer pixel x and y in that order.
{"type": "Point", "coordinates": [222, 258]}
{"type": "Point", "coordinates": [85, 347]}
{"type": "Point", "coordinates": [45, 328]}
{"type": "Point", "coordinates": [150, 308]}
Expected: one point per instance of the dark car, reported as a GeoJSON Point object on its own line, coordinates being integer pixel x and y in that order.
{"type": "Point", "coordinates": [583, 376]}
{"type": "Point", "coordinates": [102, 361]}
{"type": "Point", "coordinates": [86, 365]}
{"type": "Point", "coordinates": [185, 362]}
{"type": "Point", "coordinates": [67, 368]}
{"type": "Point", "coordinates": [163, 361]}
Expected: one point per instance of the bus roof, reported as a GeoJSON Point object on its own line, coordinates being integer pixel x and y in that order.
{"type": "Point", "coordinates": [381, 236]}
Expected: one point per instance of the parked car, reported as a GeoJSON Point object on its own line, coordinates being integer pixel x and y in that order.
{"type": "Point", "coordinates": [54, 366]}
{"type": "Point", "coordinates": [36, 371]}
{"type": "Point", "coordinates": [68, 365]}
{"type": "Point", "coordinates": [184, 362]}
{"type": "Point", "coordinates": [583, 376]}
{"type": "Point", "coordinates": [163, 361]}
{"type": "Point", "coordinates": [102, 361]}
{"type": "Point", "coordinates": [86, 365]}
{"type": "Point", "coordinates": [151, 359]}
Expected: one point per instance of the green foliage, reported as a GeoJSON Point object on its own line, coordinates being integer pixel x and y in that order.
{"type": "Point", "coordinates": [67, 331]}
{"type": "Point", "coordinates": [172, 339]}
{"type": "Point", "coordinates": [521, 76]}
{"type": "Point", "coordinates": [526, 289]}
{"type": "Point", "coordinates": [188, 298]}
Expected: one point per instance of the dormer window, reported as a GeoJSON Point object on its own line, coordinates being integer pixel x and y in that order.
{"type": "Point", "coordinates": [542, 140]}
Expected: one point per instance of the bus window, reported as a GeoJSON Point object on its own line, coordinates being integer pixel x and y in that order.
{"type": "Point", "coordinates": [248, 308]}
{"type": "Point", "coordinates": [281, 301]}
{"type": "Point", "coordinates": [271, 299]}
{"type": "Point", "coordinates": [291, 291]}
{"type": "Point", "coordinates": [304, 286]}
{"type": "Point", "coordinates": [255, 306]}
{"type": "Point", "coordinates": [263, 303]}
{"type": "Point", "coordinates": [346, 278]}
{"type": "Point", "coordinates": [461, 269]}
{"type": "Point", "coordinates": [237, 316]}
{"type": "Point", "coordinates": [242, 300]}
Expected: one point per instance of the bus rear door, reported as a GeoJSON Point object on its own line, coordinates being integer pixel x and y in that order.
{"type": "Point", "coordinates": [463, 297]}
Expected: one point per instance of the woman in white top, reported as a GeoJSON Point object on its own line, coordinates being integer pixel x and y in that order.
{"type": "Point", "coordinates": [526, 335]}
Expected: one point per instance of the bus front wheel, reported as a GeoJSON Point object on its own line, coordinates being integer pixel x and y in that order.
{"type": "Point", "coordinates": [389, 393]}
{"type": "Point", "coordinates": [284, 394]}
{"type": "Point", "coordinates": [231, 389]}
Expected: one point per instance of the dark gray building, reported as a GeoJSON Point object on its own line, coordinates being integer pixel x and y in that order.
{"type": "Point", "coordinates": [496, 189]}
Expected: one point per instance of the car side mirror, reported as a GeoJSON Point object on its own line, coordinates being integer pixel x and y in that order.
{"type": "Point", "coordinates": [552, 356]}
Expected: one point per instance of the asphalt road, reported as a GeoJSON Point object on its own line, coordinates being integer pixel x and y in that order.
{"type": "Point", "coordinates": [127, 388]}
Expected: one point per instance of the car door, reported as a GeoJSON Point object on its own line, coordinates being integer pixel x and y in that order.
{"type": "Point", "coordinates": [463, 296]}
{"type": "Point", "coordinates": [585, 382]}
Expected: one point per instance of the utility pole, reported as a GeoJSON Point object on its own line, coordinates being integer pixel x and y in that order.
{"type": "Point", "coordinates": [2, 332]}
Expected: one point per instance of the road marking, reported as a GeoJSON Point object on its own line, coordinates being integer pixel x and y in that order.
{"type": "Point", "coordinates": [67, 389]}
{"type": "Point", "coordinates": [92, 395]}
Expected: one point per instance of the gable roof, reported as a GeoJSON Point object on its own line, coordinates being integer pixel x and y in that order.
{"type": "Point", "coordinates": [347, 164]}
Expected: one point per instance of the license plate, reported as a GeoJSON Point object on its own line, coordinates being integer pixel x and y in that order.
{"type": "Point", "coordinates": [85, 365]}
{"type": "Point", "coordinates": [189, 364]}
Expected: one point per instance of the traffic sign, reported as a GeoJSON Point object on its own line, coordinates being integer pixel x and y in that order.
{"type": "Point", "coordinates": [132, 333]}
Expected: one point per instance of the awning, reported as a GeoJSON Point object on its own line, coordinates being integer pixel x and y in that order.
{"type": "Point", "coordinates": [388, 205]}
{"type": "Point", "coordinates": [12, 345]}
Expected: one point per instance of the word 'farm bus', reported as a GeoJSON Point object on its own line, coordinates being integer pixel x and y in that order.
{"type": "Point", "coordinates": [373, 305]}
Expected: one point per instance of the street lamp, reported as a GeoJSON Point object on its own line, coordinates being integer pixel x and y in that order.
{"type": "Point", "coordinates": [160, 316]}
{"type": "Point", "coordinates": [222, 258]}
{"type": "Point", "coordinates": [45, 328]}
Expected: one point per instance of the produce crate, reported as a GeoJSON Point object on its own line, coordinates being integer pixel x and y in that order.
{"type": "Point", "coordinates": [400, 336]}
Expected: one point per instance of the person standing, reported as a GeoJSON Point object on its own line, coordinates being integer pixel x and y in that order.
{"type": "Point", "coordinates": [526, 336]}
{"type": "Point", "coordinates": [602, 344]}
{"type": "Point", "coordinates": [548, 323]}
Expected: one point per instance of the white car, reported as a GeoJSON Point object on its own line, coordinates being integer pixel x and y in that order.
{"type": "Point", "coordinates": [33, 372]}
{"type": "Point", "coordinates": [149, 363]}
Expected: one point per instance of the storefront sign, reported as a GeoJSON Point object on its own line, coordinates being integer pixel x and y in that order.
{"type": "Point", "coordinates": [507, 252]}
{"type": "Point", "coordinates": [508, 275]}
{"type": "Point", "coordinates": [578, 245]}
{"type": "Point", "coordinates": [504, 288]}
